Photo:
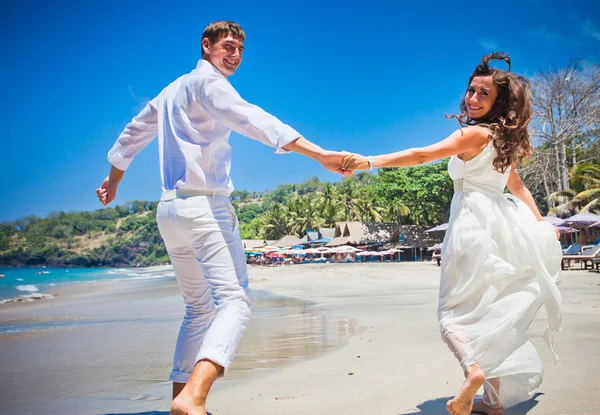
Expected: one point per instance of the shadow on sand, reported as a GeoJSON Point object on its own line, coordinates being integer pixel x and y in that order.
{"type": "Point", "coordinates": [438, 407]}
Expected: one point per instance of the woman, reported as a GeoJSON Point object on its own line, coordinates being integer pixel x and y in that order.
{"type": "Point", "coordinates": [500, 261]}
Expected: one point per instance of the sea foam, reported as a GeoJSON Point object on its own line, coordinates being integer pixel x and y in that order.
{"type": "Point", "coordinates": [29, 287]}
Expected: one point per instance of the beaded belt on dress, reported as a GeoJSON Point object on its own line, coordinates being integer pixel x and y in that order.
{"type": "Point", "coordinates": [458, 185]}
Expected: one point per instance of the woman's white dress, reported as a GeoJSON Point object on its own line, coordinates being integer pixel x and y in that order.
{"type": "Point", "coordinates": [499, 266]}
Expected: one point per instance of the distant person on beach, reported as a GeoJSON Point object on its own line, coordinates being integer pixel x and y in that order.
{"type": "Point", "coordinates": [193, 118]}
{"type": "Point", "coordinates": [500, 261]}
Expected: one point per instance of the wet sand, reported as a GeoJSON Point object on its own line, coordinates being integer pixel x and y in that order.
{"type": "Point", "coordinates": [373, 329]}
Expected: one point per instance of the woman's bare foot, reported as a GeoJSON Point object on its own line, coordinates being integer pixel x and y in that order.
{"type": "Point", "coordinates": [482, 408]}
{"type": "Point", "coordinates": [462, 404]}
{"type": "Point", "coordinates": [183, 405]}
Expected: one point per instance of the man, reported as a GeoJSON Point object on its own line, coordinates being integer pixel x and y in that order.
{"type": "Point", "coordinates": [194, 117]}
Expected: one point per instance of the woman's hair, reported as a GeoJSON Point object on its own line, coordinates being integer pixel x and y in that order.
{"type": "Point", "coordinates": [510, 114]}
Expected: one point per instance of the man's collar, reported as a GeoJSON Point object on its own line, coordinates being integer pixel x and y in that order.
{"type": "Point", "coordinates": [204, 62]}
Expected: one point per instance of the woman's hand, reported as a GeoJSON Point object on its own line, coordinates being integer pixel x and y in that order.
{"type": "Point", "coordinates": [353, 162]}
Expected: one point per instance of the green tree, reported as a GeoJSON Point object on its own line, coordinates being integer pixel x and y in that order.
{"type": "Point", "coordinates": [583, 194]}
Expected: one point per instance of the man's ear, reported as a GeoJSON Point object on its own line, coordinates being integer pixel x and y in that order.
{"type": "Point", "coordinates": [205, 45]}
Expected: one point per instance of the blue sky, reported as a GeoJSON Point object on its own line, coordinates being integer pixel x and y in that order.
{"type": "Point", "coordinates": [371, 77]}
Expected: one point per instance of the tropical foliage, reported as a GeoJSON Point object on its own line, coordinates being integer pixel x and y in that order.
{"type": "Point", "coordinates": [583, 194]}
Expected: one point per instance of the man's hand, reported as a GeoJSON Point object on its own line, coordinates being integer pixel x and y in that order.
{"type": "Point", "coordinates": [332, 161]}
{"type": "Point", "coordinates": [352, 162]}
{"type": "Point", "coordinates": [107, 191]}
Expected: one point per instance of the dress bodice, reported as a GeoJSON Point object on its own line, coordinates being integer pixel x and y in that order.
{"type": "Point", "coordinates": [478, 173]}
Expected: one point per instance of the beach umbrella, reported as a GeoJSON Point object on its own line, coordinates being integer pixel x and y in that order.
{"type": "Point", "coordinates": [595, 224]}
{"type": "Point", "coordinates": [553, 220]}
{"type": "Point", "coordinates": [345, 248]}
{"type": "Point", "coordinates": [442, 227]}
{"type": "Point", "coordinates": [582, 221]}
{"type": "Point", "coordinates": [566, 229]}
{"type": "Point", "coordinates": [435, 247]}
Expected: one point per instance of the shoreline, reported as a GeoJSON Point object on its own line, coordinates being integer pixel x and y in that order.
{"type": "Point", "coordinates": [60, 288]}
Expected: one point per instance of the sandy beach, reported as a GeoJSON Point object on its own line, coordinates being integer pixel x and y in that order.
{"type": "Point", "coordinates": [326, 339]}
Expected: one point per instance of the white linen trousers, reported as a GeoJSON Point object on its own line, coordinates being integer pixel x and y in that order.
{"type": "Point", "coordinates": [202, 239]}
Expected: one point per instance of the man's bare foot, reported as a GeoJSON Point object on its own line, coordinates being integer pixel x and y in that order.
{"type": "Point", "coordinates": [482, 408]}
{"type": "Point", "coordinates": [183, 405]}
{"type": "Point", "coordinates": [463, 402]}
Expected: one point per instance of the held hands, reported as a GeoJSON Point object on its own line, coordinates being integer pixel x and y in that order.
{"type": "Point", "coordinates": [106, 192]}
{"type": "Point", "coordinates": [332, 161]}
{"type": "Point", "coordinates": [352, 162]}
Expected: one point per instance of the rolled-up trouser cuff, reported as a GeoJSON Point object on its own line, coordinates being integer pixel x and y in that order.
{"type": "Point", "coordinates": [215, 357]}
{"type": "Point", "coordinates": [179, 377]}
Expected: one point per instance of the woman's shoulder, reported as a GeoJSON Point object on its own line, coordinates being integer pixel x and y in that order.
{"type": "Point", "coordinates": [477, 132]}
{"type": "Point", "coordinates": [480, 128]}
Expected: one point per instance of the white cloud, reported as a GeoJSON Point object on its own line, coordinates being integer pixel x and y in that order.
{"type": "Point", "coordinates": [589, 29]}
{"type": "Point", "coordinates": [488, 44]}
{"type": "Point", "coordinates": [549, 36]}
{"type": "Point", "coordinates": [140, 101]}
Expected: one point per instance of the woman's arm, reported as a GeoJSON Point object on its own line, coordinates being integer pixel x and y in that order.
{"type": "Point", "coordinates": [462, 141]}
{"type": "Point", "coordinates": [518, 188]}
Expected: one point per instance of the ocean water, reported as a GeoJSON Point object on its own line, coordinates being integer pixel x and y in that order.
{"type": "Point", "coordinates": [28, 283]}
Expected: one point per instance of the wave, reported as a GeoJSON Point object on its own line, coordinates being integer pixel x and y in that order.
{"type": "Point", "coordinates": [19, 279]}
{"type": "Point", "coordinates": [29, 287]}
{"type": "Point", "coordinates": [118, 271]}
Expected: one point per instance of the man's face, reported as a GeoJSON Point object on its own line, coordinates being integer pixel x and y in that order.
{"type": "Point", "coordinates": [225, 54]}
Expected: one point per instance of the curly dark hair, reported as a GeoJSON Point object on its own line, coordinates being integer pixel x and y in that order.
{"type": "Point", "coordinates": [510, 115]}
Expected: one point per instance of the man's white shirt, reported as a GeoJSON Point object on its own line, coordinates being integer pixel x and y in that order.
{"type": "Point", "coordinates": [193, 118]}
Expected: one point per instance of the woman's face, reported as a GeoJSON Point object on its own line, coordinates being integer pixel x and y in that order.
{"type": "Point", "coordinates": [481, 96]}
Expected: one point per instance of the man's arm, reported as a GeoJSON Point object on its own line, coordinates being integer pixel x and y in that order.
{"type": "Point", "coordinates": [136, 135]}
{"type": "Point", "coordinates": [330, 160]}
{"type": "Point", "coordinates": [228, 108]}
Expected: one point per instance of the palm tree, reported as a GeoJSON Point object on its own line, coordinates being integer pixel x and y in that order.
{"type": "Point", "coordinates": [330, 206]}
{"type": "Point", "coordinates": [303, 213]}
{"type": "Point", "coordinates": [584, 192]}
{"type": "Point", "coordinates": [275, 222]}
{"type": "Point", "coordinates": [394, 212]}
{"type": "Point", "coordinates": [368, 211]}
{"type": "Point", "coordinates": [349, 195]}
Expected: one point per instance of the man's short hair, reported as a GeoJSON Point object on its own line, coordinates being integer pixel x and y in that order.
{"type": "Point", "coordinates": [223, 28]}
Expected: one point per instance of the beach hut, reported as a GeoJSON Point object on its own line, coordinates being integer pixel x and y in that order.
{"type": "Point", "coordinates": [317, 238]}
{"type": "Point", "coordinates": [287, 241]}
{"type": "Point", "coordinates": [410, 240]}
